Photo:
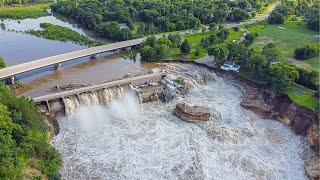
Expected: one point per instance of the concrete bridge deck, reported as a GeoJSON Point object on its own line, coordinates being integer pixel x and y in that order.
{"type": "Point", "coordinates": [53, 60]}
{"type": "Point", "coordinates": [133, 80]}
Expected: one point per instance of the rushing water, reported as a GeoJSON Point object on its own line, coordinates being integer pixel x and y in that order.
{"type": "Point", "coordinates": [128, 140]}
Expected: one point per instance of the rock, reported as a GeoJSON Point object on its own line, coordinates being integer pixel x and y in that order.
{"type": "Point", "coordinates": [312, 168]}
{"type": "Point", "coordinates": [191, 113]}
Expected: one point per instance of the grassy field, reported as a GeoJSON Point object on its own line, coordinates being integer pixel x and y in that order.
{"type": "Point", "coordinates": [195, 40]}
{"type": "Point", "coordinates": [306, 98]}
{"type": "Point", "coordinates": [287, 37]}
{"type": "Point", "coordinates": [22, 12]}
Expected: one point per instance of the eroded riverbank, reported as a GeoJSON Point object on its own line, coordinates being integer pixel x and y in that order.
{"type": "Point", "coordinates": [131, 141]}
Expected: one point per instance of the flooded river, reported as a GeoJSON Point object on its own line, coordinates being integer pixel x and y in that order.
{"type": "Point", "coordinates": [17, 47]}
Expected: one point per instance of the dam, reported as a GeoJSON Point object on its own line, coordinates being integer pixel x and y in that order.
{"type": "Point", "coordinates": [128, 139]}
{"type": "Point", "coordinates": [147, 88]}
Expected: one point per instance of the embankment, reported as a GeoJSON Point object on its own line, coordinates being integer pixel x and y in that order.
{"type": "Point", "coordinates": [260, 99]}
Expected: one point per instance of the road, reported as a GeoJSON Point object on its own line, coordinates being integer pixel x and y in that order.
{"type": "Point", "coordinates": [134, 81]}
{"type": "Point", "coordinates": [11, 71]}
{"type": "Point", "coordinates": [53, 60]}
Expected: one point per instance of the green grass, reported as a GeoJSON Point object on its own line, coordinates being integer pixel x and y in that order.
{"type": "Point", "coordinates": [56, 32]}
{"type": "Point", "coordinates": [22, 12]}
{"type": "Point", "coordinates": [288, 37]}
{"type": "Point", "coordinates": [307, 99]}
{"type": "Point", "coordinates": [256, 27]}
{"type": "Point", "coordinates": [266, 9]}
{"type": "Point", "coordinates": [195, 40]}
{"type": "Point", "coordinates": [234, 35]}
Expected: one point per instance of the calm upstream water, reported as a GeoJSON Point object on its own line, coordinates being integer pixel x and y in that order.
{"type": "Point", "coordinates": [17, 47]}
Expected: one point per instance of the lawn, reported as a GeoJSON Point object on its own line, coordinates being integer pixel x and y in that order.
{"type": "Point", "coordinates": [195, 40]}
{"type": "Point", "coordinates": [287, 37]}
{"type": "Point", "coordinates": [306, 98]}
{"type": "Point", "coordinates": [22, 12]}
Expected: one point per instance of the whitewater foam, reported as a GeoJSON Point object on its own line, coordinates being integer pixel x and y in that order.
{"type": "Point", "coordinates": [128, 140]}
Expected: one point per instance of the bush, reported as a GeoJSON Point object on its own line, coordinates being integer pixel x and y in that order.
{"type": "Point", "coordinates": [308, 51]}
{"type": "Point", "coordinates": [308, 78]}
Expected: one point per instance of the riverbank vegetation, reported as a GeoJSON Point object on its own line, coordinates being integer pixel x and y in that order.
{"type": "Point", "coordinates": [25, 11]}
{"type": "Point", "coordinates": [24, 139]}
{"type": "Point", "coordinates": [153, 16]}
{"type": "Point", "coordinates": [56, 32]}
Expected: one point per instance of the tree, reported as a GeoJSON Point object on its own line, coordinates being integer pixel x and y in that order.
{"type": "Point", "coordinates": [308, 78]}
{"type": "Point", "coordinates": [151, 41]}
{"type": "Point", "coordinates": [175, 39]}
{"type": "Point", "coordinates": [219, 52]}
{"type": "Point", "coordinates": [223, 35]}
{"type": "Point", "coordinates": [258, 64]}
{"type": "Point", "coordinates": [197, 53]}
{"type": "Point", "coordinates": [282, 76]}
{"type": "Point", "coordinates": [212, 39]}
{"type": "Point", "coordinates": [2, 63]}
{"type": "Point", "coordinates": [147, 53]}
{"type": "Point", "coordinates": [276, 18]}
{"type": "Point", "coordinates": [212, 26]}
{"type": "Point", "coordinates": [162, 51]}
{"type": "Point", "coordinates": [271, 52]}
{"type": "Point", "coordinates": [280, 81]}
{"type": "Point", "coordinates": [308, 51]}
{"type": "Point", "coordinates": [236, 29]}
{"type": "Point", "coordinates": [238, 15]}
{"type": "Point", "coordinates": [238, 53]}
{"type": "Point", "coordinates": [204, 29]}
{"type": "Point", "coordinates": [185, 47]}
{"type": "Point", "coordinates": [249, 38]}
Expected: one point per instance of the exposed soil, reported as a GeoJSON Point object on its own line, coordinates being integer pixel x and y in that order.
{"type": "Point", "coordinates": [260, 99]}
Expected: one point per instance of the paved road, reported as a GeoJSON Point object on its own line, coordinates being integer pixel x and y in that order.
{"type": "Point", "coordinates": [32, 65]}
{"type": "Point", "coordinates": [133, 80]}
{"type": "Point", "coordinates": [48, 61]}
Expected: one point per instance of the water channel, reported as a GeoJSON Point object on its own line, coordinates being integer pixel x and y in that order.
{"type": "Point", "coordinates": [17, 47]}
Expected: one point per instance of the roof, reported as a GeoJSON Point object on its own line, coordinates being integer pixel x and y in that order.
{"type": "Point", "coordinates": [228, 63]}
{"type": "Point", "coordinates": [236, 66]}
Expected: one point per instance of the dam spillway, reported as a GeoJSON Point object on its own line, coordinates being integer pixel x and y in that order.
{"type": "Point", "coordinates": [66, 102]}
{"type": "Point", "coordinates": [129, 140]}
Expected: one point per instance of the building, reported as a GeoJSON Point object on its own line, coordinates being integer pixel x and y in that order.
{"type": "Point", "coordinates": [230, 66]}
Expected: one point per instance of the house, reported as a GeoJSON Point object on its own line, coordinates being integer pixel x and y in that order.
{"type": "Point", "coordinates": [230, 66]}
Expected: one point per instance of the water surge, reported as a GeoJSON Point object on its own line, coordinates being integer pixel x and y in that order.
{"type": "Point", "coordinates": [128, 140]}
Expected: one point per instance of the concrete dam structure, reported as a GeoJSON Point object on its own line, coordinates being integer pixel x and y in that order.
{"type": "Point", "coordinates": [147, 88]}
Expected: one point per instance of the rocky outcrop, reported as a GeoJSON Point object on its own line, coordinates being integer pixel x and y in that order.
{"type": "Point", "coordinates": [191, 113]}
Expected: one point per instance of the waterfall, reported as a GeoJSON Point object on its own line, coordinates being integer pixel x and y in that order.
{"type": "Point", "coordinates": [95, 98]}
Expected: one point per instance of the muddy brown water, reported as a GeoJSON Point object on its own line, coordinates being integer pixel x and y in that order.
{"type": "Point", "coordinates": [17, 47]}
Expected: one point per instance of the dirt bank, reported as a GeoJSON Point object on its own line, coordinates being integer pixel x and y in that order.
{"type": "Point", "coordinates": [260, 99]}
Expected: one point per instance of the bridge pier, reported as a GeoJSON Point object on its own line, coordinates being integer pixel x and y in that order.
{"type": "Point", "coordinates": [48, 106]}
{"type": "Point", "coordinates": [12, 81]}
{"type": "Point", "coordinates": [93, 56]}
{"type": "Point", "coordinates": [57, 66]}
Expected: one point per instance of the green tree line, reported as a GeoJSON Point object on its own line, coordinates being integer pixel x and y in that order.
{"type": "Point", "coordinates": [155, 16]}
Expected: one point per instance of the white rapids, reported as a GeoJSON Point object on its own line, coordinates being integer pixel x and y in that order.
{"type": "Point", "coordinates": [128, 140]}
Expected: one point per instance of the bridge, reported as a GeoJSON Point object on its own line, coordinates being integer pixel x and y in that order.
{"type": "Point", "coordinates": [56, 60]}
{"type": "Point", "coordinates": [53, 103]}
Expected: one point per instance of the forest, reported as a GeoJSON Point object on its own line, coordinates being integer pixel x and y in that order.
{"type": "Point", "coordinates": [153, 16]}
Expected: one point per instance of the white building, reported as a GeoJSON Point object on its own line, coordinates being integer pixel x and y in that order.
{"type": "Point", "coordinates": [230, 66]}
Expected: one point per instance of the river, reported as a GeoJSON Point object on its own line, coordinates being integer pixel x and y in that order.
{"type": "Point", "coordinates": [17, 47]}
{"type": "Point", "coordinates": [128, 140]}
